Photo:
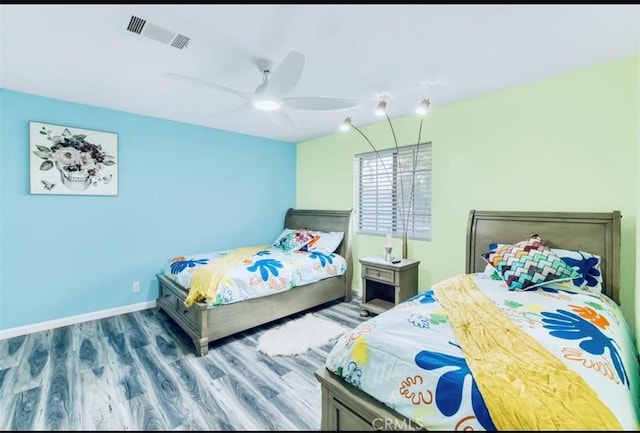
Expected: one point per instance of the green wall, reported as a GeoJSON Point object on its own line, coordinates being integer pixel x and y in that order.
{"type": "Point", "coordinates": [637, 122]}
{"type": "Point", "coordinates": [567, 143]}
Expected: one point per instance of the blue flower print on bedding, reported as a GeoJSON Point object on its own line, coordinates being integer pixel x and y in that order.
{"type": "Point", "coordinates": [179, 264]}
{"type": "Point", "coordinates": [353, 375]}
{"type": "Point", "coordinates": [419, 321]}
{"type": "Point", "coordinates": [426, 297]}
{"type": "Point", "coordinates": [322, 258]}
{"type": "Point", "coordinates": [450, 388]}
{"type": "Point", "coordinates": [227, 296]}
{"type": "Point", "coordinates": [588, 266]}
{"type": "Point", "coordinates": [585, 325]}
{"type": "Point", "coordinates": [265, 266]}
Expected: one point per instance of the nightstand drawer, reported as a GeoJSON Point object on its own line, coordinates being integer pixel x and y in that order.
{"type": "Point", "coordinates": [385, 284]}
{"type": "Point", "coordinates": [379, 274]}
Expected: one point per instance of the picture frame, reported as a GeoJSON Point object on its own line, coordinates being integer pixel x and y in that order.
{"type": "Point", "coordinates": [72, 161]}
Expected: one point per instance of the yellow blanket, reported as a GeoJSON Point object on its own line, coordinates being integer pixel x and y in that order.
{"type": "Point", "coordinates": [206, 279]}
{"type": "Point", "coordinates": [524, 386]}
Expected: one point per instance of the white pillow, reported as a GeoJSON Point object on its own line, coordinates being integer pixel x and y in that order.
{"type": "Point", "coordinates": [327, 244]}
{"type": "Point", "coordinates": [281, 236]}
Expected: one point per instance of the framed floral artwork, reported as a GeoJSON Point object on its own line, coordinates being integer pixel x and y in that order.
{"type": "Point", "coordinates": [74, 161]}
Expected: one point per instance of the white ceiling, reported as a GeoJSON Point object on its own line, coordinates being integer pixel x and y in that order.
{"type": "Point", "coordinates": [447, 53]}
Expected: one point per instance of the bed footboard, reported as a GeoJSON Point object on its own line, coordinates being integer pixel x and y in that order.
{"type": "Point", "coordinates": [346, 408]}
{"type": "Point", "coordinates": [193, 320]}
{"type": "Point", "coordinates": [206, 325]}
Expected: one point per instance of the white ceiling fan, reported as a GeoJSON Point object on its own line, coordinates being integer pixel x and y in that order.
{"type": "Point", "coordinates": [276, 83]}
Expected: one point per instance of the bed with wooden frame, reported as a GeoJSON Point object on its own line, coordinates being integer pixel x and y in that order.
{"type": "Point", "coordinates": [205, 325]}
{"type": "Point", "coordinates": [345, 407]}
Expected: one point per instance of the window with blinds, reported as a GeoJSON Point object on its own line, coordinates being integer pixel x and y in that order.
{"type": "Point", "coordinates": [393, 190]}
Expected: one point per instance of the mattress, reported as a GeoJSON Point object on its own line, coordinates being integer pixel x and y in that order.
{"type": "Point", "coordinates": [408, 357]}
{"type": "Point", "coordinates": [269, 271]}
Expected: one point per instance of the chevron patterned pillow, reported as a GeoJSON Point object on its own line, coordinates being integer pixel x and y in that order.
{"type": "Point", "coordinates": [529, 264]}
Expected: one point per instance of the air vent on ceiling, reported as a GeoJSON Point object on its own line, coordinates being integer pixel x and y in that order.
{"type": "Point", "coordinates": [144, 28]}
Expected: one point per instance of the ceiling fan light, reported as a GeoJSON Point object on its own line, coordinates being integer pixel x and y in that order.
{"type": "Point", "coordinates": [381, 109]}
{"type": "Point", "coordinates": [346, 124]}
{"type": "Point", "coordinates": [266, 105]}
{"type": "Point", "coordinates": [423, 108]}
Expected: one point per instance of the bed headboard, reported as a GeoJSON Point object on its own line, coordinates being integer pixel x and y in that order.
{"type": "Point", "coordinates": [326, 221]}
{"type": "Point", "coordinates": [597, 233]}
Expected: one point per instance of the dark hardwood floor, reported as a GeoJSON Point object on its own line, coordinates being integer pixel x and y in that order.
{"type": "Point", "coordinates": [137, 371]}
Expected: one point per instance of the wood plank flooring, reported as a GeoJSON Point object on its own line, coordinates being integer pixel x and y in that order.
{"type": "Point", "coordinates": [137, 371]}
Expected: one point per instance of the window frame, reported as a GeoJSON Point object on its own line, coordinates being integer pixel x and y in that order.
{"type": "Point", "coordinates": [383, 212]}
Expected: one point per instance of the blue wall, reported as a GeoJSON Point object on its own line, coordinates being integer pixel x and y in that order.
{"type": "Point", "coordinates": [182, 189]}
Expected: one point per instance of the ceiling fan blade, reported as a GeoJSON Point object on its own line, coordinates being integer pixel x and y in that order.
{"type": "Point", "coordinates": [207, 84]}
{"type": "Point", "coordinates": [261, 88]}
{"type": "Point", "coordinates": [282, 118]}
{"type": "Point", "coordinates": [319, 104]}
{"type": "Point", "coordinates": [286, 75]}
{"type": "Point", "coordinates": [243, 107]}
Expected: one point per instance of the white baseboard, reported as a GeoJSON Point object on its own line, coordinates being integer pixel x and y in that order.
{"type": "Point", "coordinates": [66, 321]}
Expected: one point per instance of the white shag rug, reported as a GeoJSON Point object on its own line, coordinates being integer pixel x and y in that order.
{"type": "Point", "coordinates": [299, 335]}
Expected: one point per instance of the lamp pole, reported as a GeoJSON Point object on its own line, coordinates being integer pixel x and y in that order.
{"type": "Point", "coordinates": [422, 109]}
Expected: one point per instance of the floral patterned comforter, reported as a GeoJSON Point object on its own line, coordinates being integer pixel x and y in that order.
{"type": "Point", "coordinates": [409, 359]}
{"type": "Point", "coordinates": [269, 271]}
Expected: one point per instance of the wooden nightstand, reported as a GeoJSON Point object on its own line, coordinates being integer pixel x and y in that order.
{"type": "Point", "coordinates": [385, 284]}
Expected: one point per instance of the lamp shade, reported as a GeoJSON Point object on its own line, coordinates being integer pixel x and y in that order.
{"type": "Point", "coordinates": [346, 124]}
{"type": "Point", "coordinates": [381, 109]}
{"type": "Point", "coordinates": [423, 107]}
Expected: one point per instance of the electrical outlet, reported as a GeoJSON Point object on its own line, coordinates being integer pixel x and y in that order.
{"type": "Point", "coordinates": [136, 286]}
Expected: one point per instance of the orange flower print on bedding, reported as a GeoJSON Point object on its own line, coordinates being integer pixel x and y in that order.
{"type": "Point", "coordinates": [312, 242]}
{"type": "Point", "coordinates": [410, 389]}
{"type": "Point", "coordinates": [601, 365]}
{"type": "Point", "coordinates": [277, 283]}
{"type": "Point", "coordinates": [460, 425]}
{"type": "Point", "coordinates": [406, 305]}
{"type": "Point", "coordinates": [323, 267]}
{"type": "Point", "coordinates": [359, 331]}
{"type": "Point", "coordinates": [591, 315]}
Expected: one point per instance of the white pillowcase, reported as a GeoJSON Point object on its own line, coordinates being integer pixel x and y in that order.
{"type": "Point", "coordinates": [327, 244]}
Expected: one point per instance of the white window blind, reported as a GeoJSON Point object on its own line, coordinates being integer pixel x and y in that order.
{"type": "Point", "coordinates": [385, 183]}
